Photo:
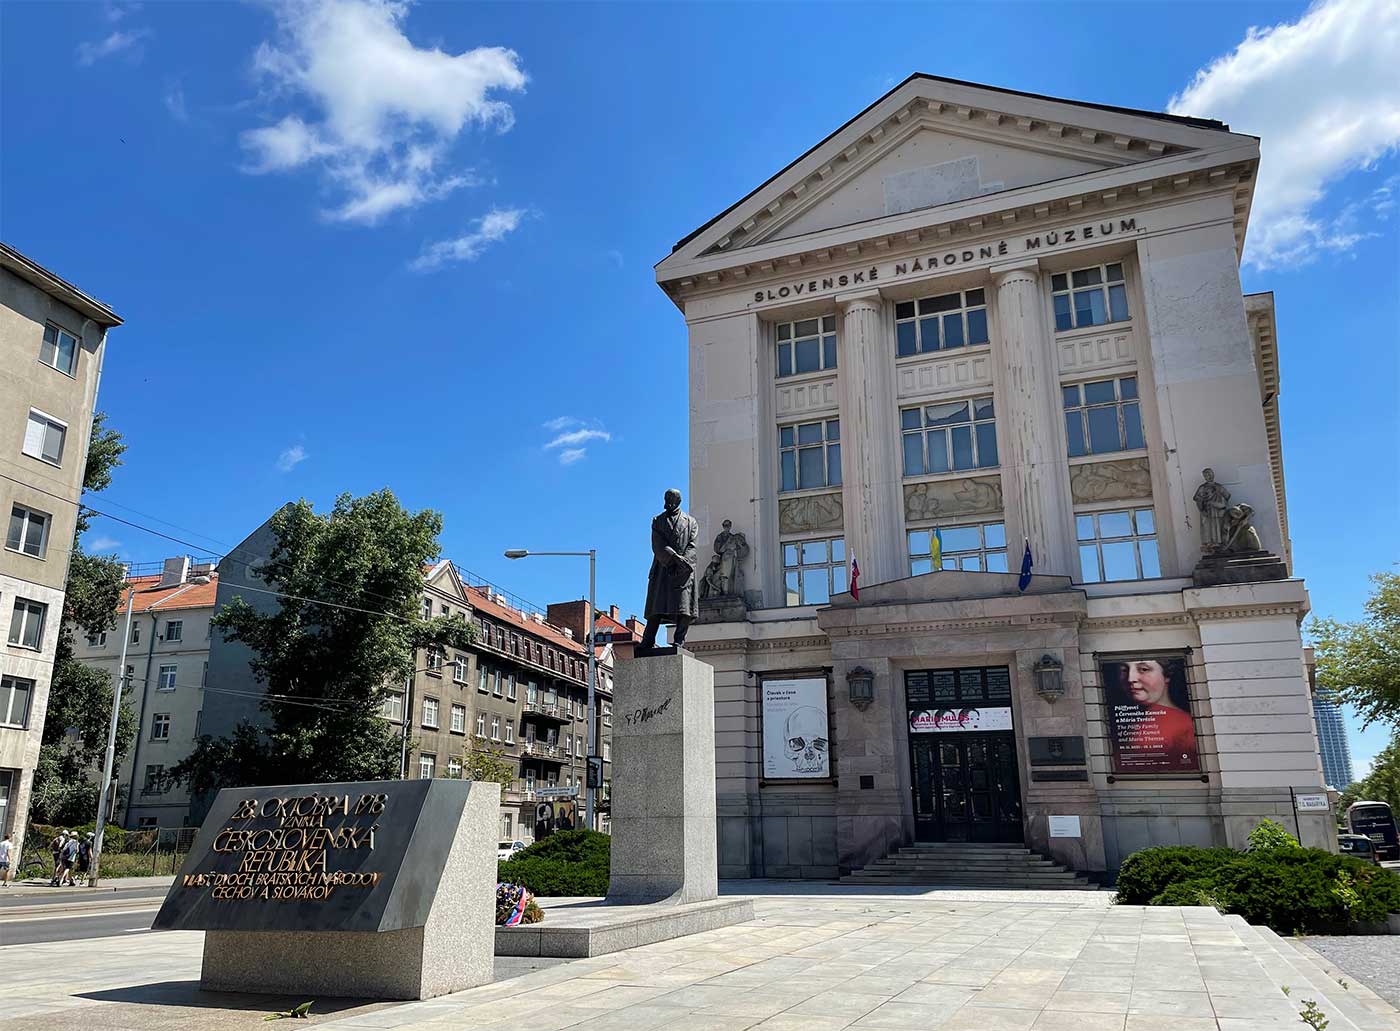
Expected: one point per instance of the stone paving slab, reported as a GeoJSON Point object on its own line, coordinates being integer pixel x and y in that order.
{"type": "Point", "coordinates": [808, 961]}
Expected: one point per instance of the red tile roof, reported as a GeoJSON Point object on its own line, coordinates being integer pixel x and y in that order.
{"type": "Point", "coordinates": [484, 605]}
{"type": "Point", "coordinates": [150, 595]}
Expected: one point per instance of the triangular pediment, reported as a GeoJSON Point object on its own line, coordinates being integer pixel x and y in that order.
{"type": "Point", "coordinates": [934, 143]}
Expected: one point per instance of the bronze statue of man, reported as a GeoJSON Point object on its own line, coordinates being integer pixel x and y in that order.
{"type": "Point", "coordinates": [671, 587]}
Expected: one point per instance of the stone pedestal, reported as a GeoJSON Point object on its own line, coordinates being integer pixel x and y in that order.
{"type": "Point", "coordinates": [724, 609]}
{"type": "Point", "coordinates": [1238, 567]}
{"type": "Point", "coordinates": [663, 783]}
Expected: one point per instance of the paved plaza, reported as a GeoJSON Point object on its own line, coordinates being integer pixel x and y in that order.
{"type": "Point", "coordinates": [815, 958]}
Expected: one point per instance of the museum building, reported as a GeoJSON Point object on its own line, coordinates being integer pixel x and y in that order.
{"type": "Point", "coordinates": [997, 434]}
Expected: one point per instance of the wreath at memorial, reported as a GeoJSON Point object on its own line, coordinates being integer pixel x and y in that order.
{"type": "Point", "coordinates": [515, 905]}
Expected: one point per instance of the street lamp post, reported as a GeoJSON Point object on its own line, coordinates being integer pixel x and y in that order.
{"type": "Point", "coordinates": [592, 556]}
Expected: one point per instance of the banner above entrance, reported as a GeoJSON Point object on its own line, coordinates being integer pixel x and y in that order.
{"type": "Point", "coordinates": [970, 718]}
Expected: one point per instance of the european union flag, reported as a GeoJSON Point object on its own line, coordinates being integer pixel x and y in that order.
{"type": "Point", "coordinates": [1026, 564]}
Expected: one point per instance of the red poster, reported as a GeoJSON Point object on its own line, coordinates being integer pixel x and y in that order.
{"type": "Point", "coordinates": [1150, 726]}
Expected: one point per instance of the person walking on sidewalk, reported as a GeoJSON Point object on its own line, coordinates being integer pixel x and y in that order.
{"type": "Point", "coordinates": [70, 858]}
{"type": "Point", "coordinates": [85, 855]}
{"type": "Point", "coordinates": [7, 857]}
{"type": "Point", "coordinates": [56, 847]}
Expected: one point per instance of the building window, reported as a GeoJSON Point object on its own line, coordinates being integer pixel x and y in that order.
{"type": "Point", "coordinates": [952, 435]}
{"type": "Point", "coordinates": [495, 727]}
{"type": "Point", "coordinates": [393, 706]}
{"type": "Point", "coordinates": [160, 726]}
{"type": "Point", "coordinates": [814, 570]}
{"type": "Point", "coordinates": [482, 674]}
{"type": "Point", "coordinates": [15, 693]}
{"type": "Point", "coordinates": [27, 623]}
{"type": "Point", "coordinates": [433, 661]}
{"type": "Point", "coordinates": [510, 688]}
{"type": "Point", "coordinates": [532, 692]}
{"type": "Point", "coordinates": [505, 827]}
{"type": "Point", "coordinates": [807, 346]}
{"type": "Point", "coordinates": [165, 681]}
{"type": "Point", "coordinates": [446, 611]}
{"type": "Point", "coordinates": [481, 724]}
{"type": "Point", "coordinates": [454, 769]}
{"type": "Point", "coordinates": [1080, 298]}
{"type": "Point", "coordinates": [459, 719]}
{"type": "Point", "coordinates": [569, 745]}
{"type": "Point", "coordinates": [154, 782]}
{"type": "Point", "coordinates": [43, 437]}
{"type": "Point", "coordinates": [135, 633]}
{"type": "Point", "coordinates": [940, 323]}
{"type": "Point", "coordinates": [977, 548]}
{"type": "Point", "coordinates": [459, 669]}
{"type": "Point", "coordinates": [427, 766]}
{"type": "Point", "coordinates": [1102, 416]}
{"type": "Point", "coordinates": [810, 454]}
{"type": "Point", "coordinates": [59, 350]}
{"type": "Point", "coordinates": [430, 713]}
{"type": "Point", "coordinates": [607, 714]}
{"type": "Point", "coordinates": [607, 751]}
{"type": "Point", "coordinates": [496, 683]}
{"type": "Point", "coordinates": [29, 531]}
{"type": "Point", "coordinates": [427, 608]}
{"type": "Point", "coordinates": [510, 732]}
{"type": "Point", "coordinates": [174, 630]}
{"type": "Point", "coordinates": [1117, 545]}
{"type": "Point", "coordinates": [97, 640]}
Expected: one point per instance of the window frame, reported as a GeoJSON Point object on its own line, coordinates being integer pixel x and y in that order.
{"type": "Point", "coordinates": [34, 613]}
{"type": "Point", "coordinates": [1103, 288]}
{"type": "Point", "coordinates": [153, 785]}
{"type": "Point", "coordinates": [454, 768]}
{"type": "Point", "coordinates": [175, 627]}
{"type": "Point", "coordinates": [160, 726]}
{"type": "Point", "coordinates": [920, 320]}
{"type": "Point", "coordinates": [1081, 409]}
{"type": "Point", "coordinates": [427, 762]}
{"type": "Point", "coordinates": [785, 335]}
{"type": "Point", "coordinates": [173, 671]}
{"type": "Point", "coordinates": [510, 732]}
{"type": "Point", "coordinates": [8, 692]}
{"type": "Point", "coordinates": [436, 711]}
{"type": "Point", "coordinates": [1136, 538]}
{"type": "Point", "coordinates": [59, 332]}
{"type": "Point", "coordinates": [391, 706]}
{"type": "Point", "coordinates": [459, 669]}
{"type": "Point", "coordinates": [830, 564]}
{"type": "Point", "coordinates": [828, 444]}
{"type": "Point", "coordinates": [495, 726]}
{"type": "Point", "coordinates": [50, 422]}
{"type": "Point", "coordinates": [958, 554]}
{"type": "Point", "coordinates": [925, 431]}
{"type": "Point", "coordinates": [26, 516]}
{"type": "Point", "coordinates": [481, 725]}
{"type": "Point", "coordinates": [458, 725]}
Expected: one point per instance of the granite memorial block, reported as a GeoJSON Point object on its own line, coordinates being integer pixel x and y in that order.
{"type": "Point", "coordinates": [376, 889]}
{"type": "Point", "coordinates": [663, 793]}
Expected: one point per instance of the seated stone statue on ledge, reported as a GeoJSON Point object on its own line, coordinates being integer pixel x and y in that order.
{"type": "Point", "coordinates": [1232, 551]}
{"type": "Point", "coordinates": [722, 587]}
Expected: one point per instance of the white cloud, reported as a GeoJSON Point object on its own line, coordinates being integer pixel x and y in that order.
{"type": "Point", "coordinates": [570, 441]}
{"type": "Point", "coordinates": [291, 458]}
{"type": "Point", "coordinates": [386, 110]}
{"type": "Point", "coordinates": [1323, 96]}
{"type": "Point", "coordinates": [555, 425]}
{"type": "Point", "coordinates": [491, 228]}
{"type": "Point", "coordinates": [578, 437]}
{"type": "Point", "coordinates": [571, 455]}
{"type": "Point", "coordinates": [174, 100]}
{"type": "Point", "coordinates": [116, 42]}
{"type": "Point", "coordinates": [102, 545]}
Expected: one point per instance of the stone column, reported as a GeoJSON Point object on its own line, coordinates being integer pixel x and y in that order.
{"type": "Point", "coordinates": [1034, 470]}
{"type": "Point", "coordinates": [872, 480]}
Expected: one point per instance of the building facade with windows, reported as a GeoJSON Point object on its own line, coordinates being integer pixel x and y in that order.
{"type": "Point", "coordinates": [52, 343]}
{"type": "Point", "coordinates": [969, 326]}
{"type": "Point", "coordinates": [520, 691]}
{"type": "Point", "coordinates": [167, 671]}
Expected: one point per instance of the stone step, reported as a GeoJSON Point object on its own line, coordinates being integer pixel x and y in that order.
{"type": "Point", "coordinates": [965, 846]}
{"type": "Point", "coordinates": [1382, 1013]}
{"type": "Point", "coordinates": [1307, 980]}
{"type": "Point", "coordinates": [1020, 862]}
{"type": "Point", "coordinates": [923, 882]}
{"type": "Point", "coordinates": [1034, 880]}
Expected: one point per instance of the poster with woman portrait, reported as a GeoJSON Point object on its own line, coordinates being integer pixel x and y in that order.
{"type": "Point", "coordinates": [1148, 703]}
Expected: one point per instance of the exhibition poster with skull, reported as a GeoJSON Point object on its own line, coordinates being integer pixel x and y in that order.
{"type": "Point", "coordinates": [796, 738]}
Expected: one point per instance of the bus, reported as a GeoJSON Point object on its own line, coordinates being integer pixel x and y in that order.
{"type": "Point", "coordinates": [1374, 820]}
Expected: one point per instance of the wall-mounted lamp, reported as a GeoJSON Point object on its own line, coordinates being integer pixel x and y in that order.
{"type": "Point", "coordinates": [860, 683]}
{"type": "Point", "coordinates": [1049, 678]}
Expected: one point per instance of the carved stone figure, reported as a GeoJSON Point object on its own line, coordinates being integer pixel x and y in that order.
{"type": "Point", "coordinates": [724, 576]}
{"type": "Point", "coordinates": [671, 587]}
{"type": "Point", "coordinates": [1241, 536]}
{"type": "Point", "coordinates": [1213, 500]}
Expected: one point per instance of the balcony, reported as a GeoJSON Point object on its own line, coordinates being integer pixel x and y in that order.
{"type": "Point", "coordinates": [542, 750]}
{"type": "Point", "coordinates": [547, 710]}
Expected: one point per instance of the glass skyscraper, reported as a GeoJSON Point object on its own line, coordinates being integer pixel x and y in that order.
{"type": "Point", "coordinates": [1332, 743]}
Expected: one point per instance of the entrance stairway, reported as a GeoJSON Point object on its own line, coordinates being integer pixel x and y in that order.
{"type": "Point", "coordinates": [968, 865]}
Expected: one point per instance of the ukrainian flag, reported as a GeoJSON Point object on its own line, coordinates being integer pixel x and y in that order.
{"type": "Point", "coordinates": [936, 550]}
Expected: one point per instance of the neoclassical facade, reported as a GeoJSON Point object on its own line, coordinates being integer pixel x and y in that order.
{"type": "Point", "coordinates": [970, 325]}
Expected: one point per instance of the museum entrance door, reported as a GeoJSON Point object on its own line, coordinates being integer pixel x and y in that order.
{"type": "Point", "coordinates": [962, 751]}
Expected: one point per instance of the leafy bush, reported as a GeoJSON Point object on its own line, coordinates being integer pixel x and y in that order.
{"type": "Point", "coordinates": [565, 863]}
{"type": "Point", "coordinates": [1269, 836]}
{"type": "Point", "coordinates": [1284, 886]}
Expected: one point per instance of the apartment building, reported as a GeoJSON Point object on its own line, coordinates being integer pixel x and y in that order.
{"type": "Point", "coordinates": [52, 343]}
{"type": "Point", "coordinates": [167, 669]}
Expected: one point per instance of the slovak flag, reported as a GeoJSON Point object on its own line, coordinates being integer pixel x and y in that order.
{"type": "Point", "coordinates": [1026, 564]}
{"type": "Point", "coordinates": [855, 578]}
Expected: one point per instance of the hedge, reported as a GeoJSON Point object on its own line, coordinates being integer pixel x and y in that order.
{"type": "Point", "coordinates": [1290, 889]}
{"type": "Point", "coordinates": [565, 863]}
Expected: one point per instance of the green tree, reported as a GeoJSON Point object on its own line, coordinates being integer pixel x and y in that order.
{"type": "Point", "coordinates": [74, 740]}
{"type": "Point", "coordinates": [347, 623]}
{"type": "Point", "coordinates": [488, 764]}
{"type": "Point", "coordinates": [1359, 663]}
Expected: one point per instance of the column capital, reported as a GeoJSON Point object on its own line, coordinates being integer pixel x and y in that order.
{"type": "Point", "coordinates": [1027, 268]}
{"type": "Point", "coordinates": [859, 298]}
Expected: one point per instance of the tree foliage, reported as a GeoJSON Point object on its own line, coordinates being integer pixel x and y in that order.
{"type": "Point", "coordinates": [1359, 663]}
{"type": "Point", "coordinates": [1382, 784]}
{"type": "Point", "coordinates": [325, 666]}
{"type": "Point", "coordinates": [488, 764]}
{"type": "Point", "coordinates": [74, 740]}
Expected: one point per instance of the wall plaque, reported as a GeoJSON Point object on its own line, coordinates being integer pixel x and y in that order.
{"type": "Point", "coordinates": [973, 495]}
{"type": "Point", "coordinates": [1056, 751]}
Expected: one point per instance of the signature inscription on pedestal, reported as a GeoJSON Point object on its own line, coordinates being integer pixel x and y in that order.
{"type": "Point", "coordinates": [646, 714]}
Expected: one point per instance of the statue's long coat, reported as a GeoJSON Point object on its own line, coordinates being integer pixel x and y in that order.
{"type": "Point", "coordinates": [671, 585]}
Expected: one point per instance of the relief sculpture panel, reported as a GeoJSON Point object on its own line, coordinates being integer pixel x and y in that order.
{"type": "Point", "coordinates": [1128, 479]}
{"type": "Point", "coordinates": [811, 513]}
{"type": "Point", "coordinates": [974, 495]}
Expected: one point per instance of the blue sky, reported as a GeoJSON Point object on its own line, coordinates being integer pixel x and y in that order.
{"type": "Point", "coordinates": [359, 245]}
